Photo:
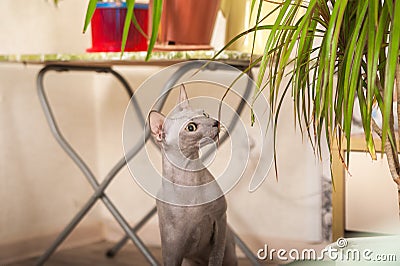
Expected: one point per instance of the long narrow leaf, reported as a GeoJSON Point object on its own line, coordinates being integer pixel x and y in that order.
{"type": "Point", "coordinates": [130, 5]}
{"type": "Point", "coordinates": [332, 54]}
{"type": "Point", "coordinates": [89, 14]}
{"type": "Point", "coordinates": [393, 53]}
{"type": "Point", "coordinates": [264, 61]}
{"type": "Point", "coordinates": [372, 62]}
{"type": "Point", "coordinates": [157, 10]}
{"type": "Point", "coordinates": [253, 3]}
{"type": "Point", "coordinates": [366, 122]}
{"type": "Point", "coordinates": [349, 91]}
{"type": "Point", "coordinates": [354, 82]}
{"type": "Point", "coordinates": [256, 26]}
{"type": "Point", "coordinates": [138, 27]}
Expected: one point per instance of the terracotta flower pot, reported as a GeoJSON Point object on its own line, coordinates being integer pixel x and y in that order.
{"type": "Point", "coordinates": [187, 22]}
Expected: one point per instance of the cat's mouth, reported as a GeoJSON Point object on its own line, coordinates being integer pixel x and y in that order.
{"type": "Point", "coordinates": [211, 138]}
{"type": "Point", "coordinates": [216, 127]}
{"type": "Point", "coordinates": [216, 135]}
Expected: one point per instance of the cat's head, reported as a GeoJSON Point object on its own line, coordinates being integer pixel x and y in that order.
{"type": "Point", "coordinates": [184, 129]}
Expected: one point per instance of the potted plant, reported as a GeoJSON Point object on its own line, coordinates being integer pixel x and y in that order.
{"type": "Point", "coordinates": [111, 26]}
{"type": "Point", "coordinates": [174, 24]}
{"type": "Point", "coordinates": [339, 52]}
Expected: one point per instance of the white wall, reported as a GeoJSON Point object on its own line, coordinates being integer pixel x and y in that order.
{"type": "Point", "coordinates": [41, 189]}
{"type": "Point", "coordinates": [37, 26]}
{"type": "Point", "coordinates": [371, 196]}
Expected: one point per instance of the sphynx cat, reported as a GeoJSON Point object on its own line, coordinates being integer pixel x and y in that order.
{"type": "Point", "coordinates": [191, 206]}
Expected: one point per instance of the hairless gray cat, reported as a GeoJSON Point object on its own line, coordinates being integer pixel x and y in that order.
{"type": "Point", "coordinates": [191, 206]}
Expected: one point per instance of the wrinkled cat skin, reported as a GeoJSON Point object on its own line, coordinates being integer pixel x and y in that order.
{"type": "Point", "coordinates": [196, 232]}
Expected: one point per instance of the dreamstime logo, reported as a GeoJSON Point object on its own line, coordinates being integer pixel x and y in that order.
{"type": "Point", "coordinates": [205, 85]}
{"type": "Point", "coordinates": [337, 252]}
{"type": "Point", "coordinates": [342, 242]}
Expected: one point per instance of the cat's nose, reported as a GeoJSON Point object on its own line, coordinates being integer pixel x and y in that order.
{"type": "Point", "coordinates": [216, 124]}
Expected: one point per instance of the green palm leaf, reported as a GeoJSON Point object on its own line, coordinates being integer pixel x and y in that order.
{"type": "Point", "coordinates": [89, 13]}
{"type": "Point", "coordinates": [336, 53]}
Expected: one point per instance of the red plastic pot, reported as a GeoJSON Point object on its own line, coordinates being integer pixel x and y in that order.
{"type": "Point", "coordinates": [108, 24]}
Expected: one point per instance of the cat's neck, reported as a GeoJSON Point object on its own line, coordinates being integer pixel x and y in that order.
{"type": "Point", "coordinates": [184, 170]}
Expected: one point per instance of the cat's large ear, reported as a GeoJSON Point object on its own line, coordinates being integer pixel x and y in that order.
{"type": "Point", "coordinates": [156, 122]}
{"type": "Point", "coordinates": [183, 101]}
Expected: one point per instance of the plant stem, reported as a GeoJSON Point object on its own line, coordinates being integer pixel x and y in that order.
{"type": "Point", "coordinates": [397, 84]}
{"type": "Point", "coordinates": [390, 151]}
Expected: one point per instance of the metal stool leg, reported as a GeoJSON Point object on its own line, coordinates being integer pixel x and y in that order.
{"type": "Point", "coordinates": [113, 251]}
{"type": "Point", "coordinates": [249, 254]}
{"type": "Point", "coordinates": [99, 188]}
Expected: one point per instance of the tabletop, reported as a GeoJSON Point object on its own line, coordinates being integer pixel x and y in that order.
{"type": "Point", "coordinates": [128, 58]}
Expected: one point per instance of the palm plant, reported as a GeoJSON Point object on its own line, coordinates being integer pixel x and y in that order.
{"type": "Point", "coordinates": [336, 52]}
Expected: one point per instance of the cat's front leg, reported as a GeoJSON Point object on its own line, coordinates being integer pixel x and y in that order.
{"type": "Point", "coordinates": [171, 255]}
{"type": "Point", "coordinates": [172, 243]}
{"type": "Point", "coordinates": [219, 242]}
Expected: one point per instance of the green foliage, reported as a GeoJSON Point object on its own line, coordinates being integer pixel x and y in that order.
{"type": "Point", "coordinates": [335, 52]}
{"type": "Point", "coordinates": [89, 14]}
{"type": "Point", "coordinates": [156, 20]}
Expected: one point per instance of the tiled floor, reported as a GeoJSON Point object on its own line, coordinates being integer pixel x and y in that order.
{"type": "Point", "coordinates": [94, 255]}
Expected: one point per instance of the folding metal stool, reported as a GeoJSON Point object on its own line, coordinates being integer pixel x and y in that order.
{"type": "Point", "coordinates": [99, 188]}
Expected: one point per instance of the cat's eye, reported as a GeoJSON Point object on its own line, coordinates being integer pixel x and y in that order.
{"type": "Point", "coordinates": [191, 127]}
{"type": "Point", "coordinates": [206, 115]}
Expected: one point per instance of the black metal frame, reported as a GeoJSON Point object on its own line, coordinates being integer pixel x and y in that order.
{"type": "Point", "coordinates": [99, 188]}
